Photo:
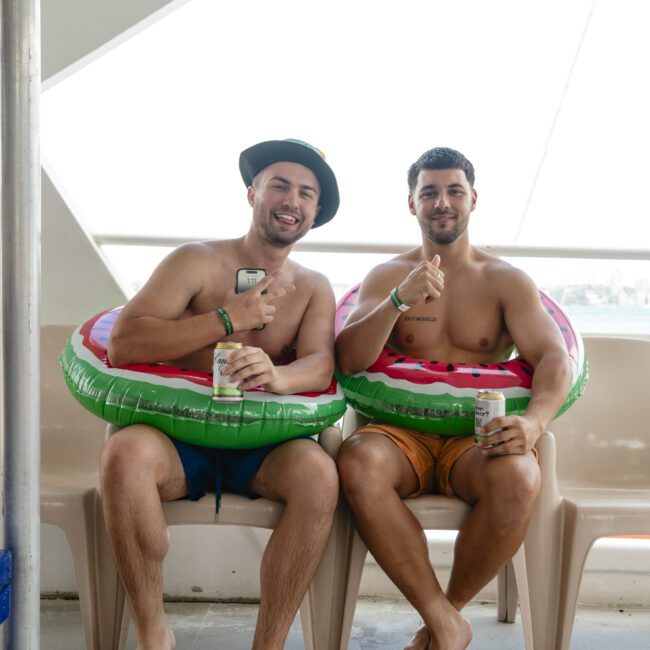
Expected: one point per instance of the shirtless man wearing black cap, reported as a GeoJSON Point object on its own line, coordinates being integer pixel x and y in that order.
{"type": "Point", "coordinates": [187, 306]}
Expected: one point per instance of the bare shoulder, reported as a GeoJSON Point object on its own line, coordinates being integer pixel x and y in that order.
{"type": "Point", "coordinates": [315, 281]}
{"type": "Point", "coordinates": [186, 256]}
{"type": "Point", "coordinates": [385, 276]}
{"type": "Point", "coordinates": [198, 253]}
{"type": "Point", "coordinates": [508, 280]}
{"type": "Point", "coordinates": [194, 261]}
{"type": "Point", "coordinates": [176, 280]}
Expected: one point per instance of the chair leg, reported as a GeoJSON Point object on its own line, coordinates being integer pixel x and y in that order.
{"type": "Point", "coordinates": [321, 611]}
{"type": "Point", "coordinates": [502, 595]}
{"type": "Point", "coordinates": [307, 613]}
{"type": "Point", "coordinates": [110, 597]}
{"type": "Point", "coordinates": [519, 570]}
{"type": "Point", "coordinates": [507, 594]}
{"type": "Point", "coordinates": [543, 545]}
{"type": "Point", "coordinates": [356, 560]}
{"type": "Point", "coordinates": [577, 543]}
{"type": "Point", "coordinates": [81, 544]}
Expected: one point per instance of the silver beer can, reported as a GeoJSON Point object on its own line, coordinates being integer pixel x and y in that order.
{"type": "Point", "coordinates": [223, 389]}
{"type": "Point", "coordinates": [489, 404]}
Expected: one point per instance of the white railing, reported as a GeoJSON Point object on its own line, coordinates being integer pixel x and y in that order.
{"type": "Point", "coordinates": [384, 248]}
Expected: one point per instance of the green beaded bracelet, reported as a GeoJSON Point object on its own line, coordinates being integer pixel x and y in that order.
{"type": "Point", "coordinates": [225, 319]}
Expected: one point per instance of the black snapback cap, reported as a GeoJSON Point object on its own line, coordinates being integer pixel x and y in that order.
{"type": "Point", "coordinates": [256, 158]}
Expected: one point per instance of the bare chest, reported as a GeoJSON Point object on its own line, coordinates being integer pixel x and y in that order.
{"type": "Point", "coordinates": [462, 325]}
{"type": "Point", "coordinates": [278, 337]}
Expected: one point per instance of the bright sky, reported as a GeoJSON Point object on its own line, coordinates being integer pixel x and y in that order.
{"type": "Point", "coordinates": [546, 98]}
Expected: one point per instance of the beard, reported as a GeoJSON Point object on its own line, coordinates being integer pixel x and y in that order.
{"type": "Point", "coordinates": [278, 238]}
{"type": "Point", "coordinates": [442, 238]}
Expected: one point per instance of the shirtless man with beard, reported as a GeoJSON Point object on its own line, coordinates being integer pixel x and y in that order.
{"type": "Point", "coordinates": [187, 306]}
{"type": "Point", "coordinates": [454, 302]}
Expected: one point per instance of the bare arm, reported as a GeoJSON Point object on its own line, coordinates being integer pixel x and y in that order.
{"type": "Point", "coordinates": [539, 341]}
{"type": "Point", "coordinates": [313, 368]}
{"type": "Point", "coordinates": [370, 325]}
{"type": "Point", "coordinates": [151, 327]}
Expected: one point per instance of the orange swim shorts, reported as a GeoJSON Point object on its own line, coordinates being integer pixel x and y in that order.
{"type": "Point", "coordinates": [430, 455]}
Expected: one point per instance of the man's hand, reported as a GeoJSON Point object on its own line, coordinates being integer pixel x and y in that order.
{"type": "Point", "coordinates": [254, 369]}
{"type": "Point", "coordinates": [253, 308]}
{"type": "Point", "coordinates": [519, 434]}
{"type": "Point", "coordinates": [423, 284]}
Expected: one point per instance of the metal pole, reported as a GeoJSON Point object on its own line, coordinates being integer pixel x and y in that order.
{"type": "Point", "coordinates": [21, 220]}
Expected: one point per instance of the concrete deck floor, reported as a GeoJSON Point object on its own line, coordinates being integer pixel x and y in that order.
{"type": "Point", "coordinates": [378, 625]}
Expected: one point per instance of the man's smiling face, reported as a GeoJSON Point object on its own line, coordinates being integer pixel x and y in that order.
{"type": "Point", "coordinates": [442, 202]}
{"type": "Point", "coordinates": [284, 197]}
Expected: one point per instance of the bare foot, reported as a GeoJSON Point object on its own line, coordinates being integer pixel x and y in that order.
{"type": "Point", "coordinates": [160, 639]}
{"type": "Point", "coordinates": [453, 632]}
{"type": "Point", "coordinates": [420, 640]}
{"type": "Point", "coordinates": [449, 631]}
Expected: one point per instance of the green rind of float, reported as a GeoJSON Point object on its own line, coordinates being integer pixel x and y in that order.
{"type": "Point", "coordinates": [577, 388]}
{"type": "Point", "coordinates": [442, 414]}
{"type": "Point", "coordinates": [190, 416]}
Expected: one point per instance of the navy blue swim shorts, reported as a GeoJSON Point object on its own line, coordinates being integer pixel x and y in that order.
{"type": "Point", "coordinates": [221, 470]}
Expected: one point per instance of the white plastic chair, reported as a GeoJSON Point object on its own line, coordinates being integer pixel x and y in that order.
{"type": "Point", "coordinates": [531, 566]}
{"type": "Point", "coordinates": [319, 612]}
{"type": "Point", "coordinates": [71, 443]}
{"type": "Point", "coordinates": [603, 461]}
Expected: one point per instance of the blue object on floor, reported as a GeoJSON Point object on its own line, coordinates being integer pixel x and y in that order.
{"type": "Point", "coordinates": [5, 585]}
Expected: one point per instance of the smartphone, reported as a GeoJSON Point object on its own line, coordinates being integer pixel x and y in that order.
{"type": "Point", "coordinates": [246, 279]}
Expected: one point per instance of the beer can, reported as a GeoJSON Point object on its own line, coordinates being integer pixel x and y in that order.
{"type": "Point", "coordinates": [489, 404]}
{"type": "Point", "coordinates": [224, 390]}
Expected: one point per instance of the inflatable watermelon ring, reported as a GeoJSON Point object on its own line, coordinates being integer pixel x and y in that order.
{"type": "Point", "coordinates": [179, 402]}
{"type": "Point", "coordinates": [438, 396]}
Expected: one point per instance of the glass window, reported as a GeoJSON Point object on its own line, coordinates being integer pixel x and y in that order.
{"type": "Point", "coordinates": [545, 98]}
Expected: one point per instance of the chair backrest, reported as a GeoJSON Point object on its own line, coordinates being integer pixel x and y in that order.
{"type": "Point", "coordinates": [71, 436]}
{"type": "Point", "coordinates": [604, 438]}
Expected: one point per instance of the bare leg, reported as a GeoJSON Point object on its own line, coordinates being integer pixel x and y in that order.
{"type": "Point", "coordinates": [376, 476]}
{"type": "Point", "coordinates": [304, 477]}
{"type": "Point", "coordinates": [503, 491]}
{"type": "Point", "coordinates": [140, 468]}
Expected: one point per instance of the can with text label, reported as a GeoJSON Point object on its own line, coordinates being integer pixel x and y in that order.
{"type": "Point", "coordinates": [489, 404]}
{"type": "Point", "coordinates": [223, 389]}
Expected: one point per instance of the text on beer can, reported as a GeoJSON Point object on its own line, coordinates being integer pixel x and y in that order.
{"type": "Point", "coordinates": [223, 388]}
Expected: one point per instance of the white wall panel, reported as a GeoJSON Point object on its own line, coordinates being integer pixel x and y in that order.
{"type": "Point", "coordinates": [75, 29]}
{"type": "Point", "coordinates": [75, 280]}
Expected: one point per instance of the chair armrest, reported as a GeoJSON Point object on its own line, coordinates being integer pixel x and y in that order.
{"type": "Point", "coordinates": [330, 440]}
{"type": "Point", "coordinates": [546, 448]}
{"type": "Point", "coordinates": [111, 429]}
{"type": "Point", "coordinates": [352, 421]}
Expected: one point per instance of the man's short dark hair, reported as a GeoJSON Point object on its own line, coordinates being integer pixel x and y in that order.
{"type": "Point", "coordinates": [440, 158]}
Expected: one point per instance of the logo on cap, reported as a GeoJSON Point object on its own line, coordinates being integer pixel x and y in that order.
{"type": "Point", "coordinates": [306, 144]}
